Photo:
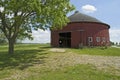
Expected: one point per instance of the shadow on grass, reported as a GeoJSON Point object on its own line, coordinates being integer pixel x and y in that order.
{"type": "Point", "coordinates": [21, 59]}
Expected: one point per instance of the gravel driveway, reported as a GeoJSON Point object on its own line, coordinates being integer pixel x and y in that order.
{"type": "Point", "coordinates": [60, 58]}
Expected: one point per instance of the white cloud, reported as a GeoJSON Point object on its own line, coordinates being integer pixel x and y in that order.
{"type": "Point", "coordinates": [89, 8]}
{"type": "Point", "coordinates": [115, 35]}
{"type": "Point", "coordinates": [40, 36]}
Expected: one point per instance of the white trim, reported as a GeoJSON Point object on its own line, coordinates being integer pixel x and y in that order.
{"type": "Point", "coordinates": [97, 39]}
{"type": "Point", "coordinates": [90, 39]}
{"type": "Point", "coordinates": [103, 39]}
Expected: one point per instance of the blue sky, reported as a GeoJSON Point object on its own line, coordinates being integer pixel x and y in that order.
{"type": "Point", "coordinates": [106, 11]}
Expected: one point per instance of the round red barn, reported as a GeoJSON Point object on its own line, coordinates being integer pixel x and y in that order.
{"type": "Point", "coordinates": [82, 30]}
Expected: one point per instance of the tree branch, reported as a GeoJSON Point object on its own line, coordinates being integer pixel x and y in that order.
{"type": "Point", "coordinates": [4, 27]}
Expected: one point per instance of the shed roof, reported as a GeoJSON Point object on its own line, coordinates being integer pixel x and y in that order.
{"type": "Point", "coordinates": [79, 17]}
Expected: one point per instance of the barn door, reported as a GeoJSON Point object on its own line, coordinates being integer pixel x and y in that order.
{"type": "Point", "coordinates": [65, 39]}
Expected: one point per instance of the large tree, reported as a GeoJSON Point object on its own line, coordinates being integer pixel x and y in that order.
{"type": "Point", "coordinates": [20, 17]}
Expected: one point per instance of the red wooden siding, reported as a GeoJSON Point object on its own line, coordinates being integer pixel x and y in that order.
{"type": "Point", "coordinates": [81, 31]}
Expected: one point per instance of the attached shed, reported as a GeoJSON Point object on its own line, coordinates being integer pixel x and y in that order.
{"type": "Point", "coordinates": [81, 30]}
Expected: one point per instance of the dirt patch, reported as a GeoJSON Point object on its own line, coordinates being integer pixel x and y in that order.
{"type": "Point", "coordinates": [57, 50]}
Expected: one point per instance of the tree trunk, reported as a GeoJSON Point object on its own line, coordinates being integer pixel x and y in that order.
{"type": "Point", "coordinates": [11, 46]}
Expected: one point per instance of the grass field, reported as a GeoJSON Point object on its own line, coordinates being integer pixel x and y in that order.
{"type": "Point", "coordinates": [98, 51]}
{"type": "Point", "coordinates": [37, 62]}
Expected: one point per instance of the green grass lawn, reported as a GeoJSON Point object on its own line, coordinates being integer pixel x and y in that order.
{"type": "Point", "coordinates": [25, 64]}
{"type": "Point", "coordinates": [110, 51]}
{"type": "Point", "coordinates": [78, 72]}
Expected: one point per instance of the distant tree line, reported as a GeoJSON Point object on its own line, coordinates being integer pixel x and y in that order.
{"type": "Point", "coordinates": [115, 43]}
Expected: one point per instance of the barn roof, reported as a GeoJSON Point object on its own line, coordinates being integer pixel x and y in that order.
{"type": "Point", "coordinates": [79, 17]}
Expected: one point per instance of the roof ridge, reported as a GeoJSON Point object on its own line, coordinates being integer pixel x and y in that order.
{"type": "Point", "coordinates": [79, 17]}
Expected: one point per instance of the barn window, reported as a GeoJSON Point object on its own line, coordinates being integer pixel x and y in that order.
{"type": "Point", "coordinates": [103, 39]}
{"type": "Point", "coordinates": [90, 39]}
{"type": "Point", "coordinates": [98, 39]}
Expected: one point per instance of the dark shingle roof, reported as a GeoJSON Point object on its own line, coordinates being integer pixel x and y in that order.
{"type": "Point", "coordinates": [79, 17]}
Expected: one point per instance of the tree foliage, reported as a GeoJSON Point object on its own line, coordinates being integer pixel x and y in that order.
{"type": "Point", "coordinates": [2, 38]}
{"type": "Point", "coordinates": [20, 17]}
